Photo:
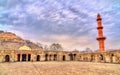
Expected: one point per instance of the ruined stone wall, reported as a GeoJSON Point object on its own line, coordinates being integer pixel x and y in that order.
{"type": "Point", "coordinates": [105, 57]}
{"type": "Point", "coordinates": [40, 55]}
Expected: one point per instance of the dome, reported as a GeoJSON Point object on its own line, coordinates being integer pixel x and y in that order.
{"type": "Point", "coordinates": [24, 48]}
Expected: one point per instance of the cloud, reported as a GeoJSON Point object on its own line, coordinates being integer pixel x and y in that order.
{"type": "Point", "coordinates": [68, 42]}
{"type": "Point", "coordinates": [60, 18]}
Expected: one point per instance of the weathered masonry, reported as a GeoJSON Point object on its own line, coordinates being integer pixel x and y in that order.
{"type": "Point", "coordinates": [37, 55]}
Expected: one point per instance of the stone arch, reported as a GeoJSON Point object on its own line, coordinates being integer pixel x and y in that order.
{"type": "Point", "coordinates": [86, 58]}
{"type": "Point", "coordinates": [113, 58]}
{"type": "Point", "coordinates": [46, 57]}
{"type": "Point", "coordinates": [80, 57]}
{"type": "Point", "coordinates": [92, 58]}
{"type": "Point", "coordinates": [50, 57]}
{"type": "Point", "coordinates": [7, 58]}
{"type": "Point", "coordinates": [55, 57]}
{"type": "Point", "coordinates": [71, 56]}
{"type": "Point", "coordinates": [18, 57]}
{"type": "Point", "coordinates": [29, 57]}
{"type": "Point", "coordinates": [63, 58]}
{"type": "Point", "coordinates": [23, 57]}
{"type": "Point", "coordinates": [74, 56]}
{"type": "Point", "coordinates": [38, 58]}
{"type": "Point", "coordinates": [101, 58]}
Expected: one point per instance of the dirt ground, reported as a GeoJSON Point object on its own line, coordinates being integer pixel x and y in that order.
{"type": "Point", "coordinates": [59, 68]}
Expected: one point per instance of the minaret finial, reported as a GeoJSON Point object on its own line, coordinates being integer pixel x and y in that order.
{"type": "Point", "coordinates": [98, 15]}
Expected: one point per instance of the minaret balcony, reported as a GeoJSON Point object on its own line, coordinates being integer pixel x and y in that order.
{"type": "Point", "coordinates": [99, 19]}
{"type": "Point", "coordinates": [100, 27]}
{"type": "Point", "coordinates": [101, 38]}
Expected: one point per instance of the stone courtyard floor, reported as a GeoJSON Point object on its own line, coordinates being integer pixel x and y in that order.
{"type": "Point", "coordinates": [59, 68]}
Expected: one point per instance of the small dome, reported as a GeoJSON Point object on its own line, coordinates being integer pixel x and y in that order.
{"type": "Point", "coordinates": [24, 48]}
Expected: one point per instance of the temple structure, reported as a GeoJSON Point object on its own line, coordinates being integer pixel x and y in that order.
{"type": "Point", "coordinates": [100, 37]}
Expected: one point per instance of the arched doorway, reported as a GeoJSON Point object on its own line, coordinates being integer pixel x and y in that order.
{"type": "Point", "coordinates": [80, 58]}
{"type": "Point", "coordinates": [29, 57]}
{"type": "Point", "coordinates": [101, 57]}
{"type": "Point", "coordinates": [64, 58]}
{"type": "Point", "coordinates": [23, 57]}
{"type": "Point", "coordinates": [112, 57]}
{"type": "Point", "coordinates": [38, 58]}
{"type": "Point", "coordinates": [50, 57]}
{"type": "Point", "coordinates": [92, 58]}
{"type": "Point", "coordinates": [7, 58]}
{"type": "Point", "coordinates": [18, 57]}
{"type": "Point", "coordinates": [74, 56]}
{"type": "Point", "coordinates": [71, 56]}
{"type": "Point", "coordinates": [46, 57]}
{"type": "Point", "coordinates": [55, 57]}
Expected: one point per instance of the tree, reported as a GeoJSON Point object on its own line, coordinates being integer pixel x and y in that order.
{"type": "Point", "coordinates": [56, 47]}
{"type": "Point", "coordinates": [46, 47]}
{"type": "Point", "coordinates": [88, 50]}
{"type": "Point", "coordinates": [39, 44]}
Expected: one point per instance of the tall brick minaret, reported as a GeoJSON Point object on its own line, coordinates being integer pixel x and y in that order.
{"type": "Point", "coordinates": [101, 38]}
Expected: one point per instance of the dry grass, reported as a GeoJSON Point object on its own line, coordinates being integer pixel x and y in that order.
{"type": "Point", "coordinates": [59, 68]}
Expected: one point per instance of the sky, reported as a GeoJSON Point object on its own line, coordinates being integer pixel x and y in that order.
{"type": "Point", "coordinates": [72, 23]}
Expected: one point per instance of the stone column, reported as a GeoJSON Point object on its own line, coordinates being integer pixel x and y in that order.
{"type": "Point", "coordinates": [67, 57]}
{"type": "Point", "coordinates": [32, 57]}
{"type": "Point", "coordinates": [20, 57]}
{"type": "Point", "coordinates": [49, 57]}
{"type": "Point", "coordinates": [26, 57]}
{"type": "Point", "coordinates": [52, 57]}
{"type": "Point", "coordinates": [15, 57]}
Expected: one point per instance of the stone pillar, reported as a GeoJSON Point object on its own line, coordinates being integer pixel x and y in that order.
{"type": "Point", "coordinates": [12, 56]}
{"type": "Point", "coordinates": [32, 57]}
{"type": "Point", "coordinates": [20, 57]}
{"type": "Point", "coordinates": [16, 57]}
{"type": "Point", "coordinates": [52, 57]}
{"type": "Point", "coordinates": [42, 57]}
{"type": "Point", "coordinates": [26, 57]}
{"type": "Point", "coordinates": [108, 58]}
{"type": "Point", "coordinates": [59, 57]}
{"type": "Point", "coordinates": [49, 57]}
{"type": "Point", "coordinates": [114, 59]}
{"type": "Point", "coordinates": [67, 57]}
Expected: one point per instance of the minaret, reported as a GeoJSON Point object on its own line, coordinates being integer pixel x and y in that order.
{"type": "Point", "coordinates": [100, 37]}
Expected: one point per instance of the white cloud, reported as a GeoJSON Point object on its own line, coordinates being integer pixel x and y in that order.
{"type": "Point", "coordinates": [66, 22]}
{"type": "Point", "coordinates": [67, 41]}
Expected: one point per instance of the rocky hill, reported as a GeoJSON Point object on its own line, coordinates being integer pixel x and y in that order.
{"type": "Point", "coordinates": [10, 41]}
